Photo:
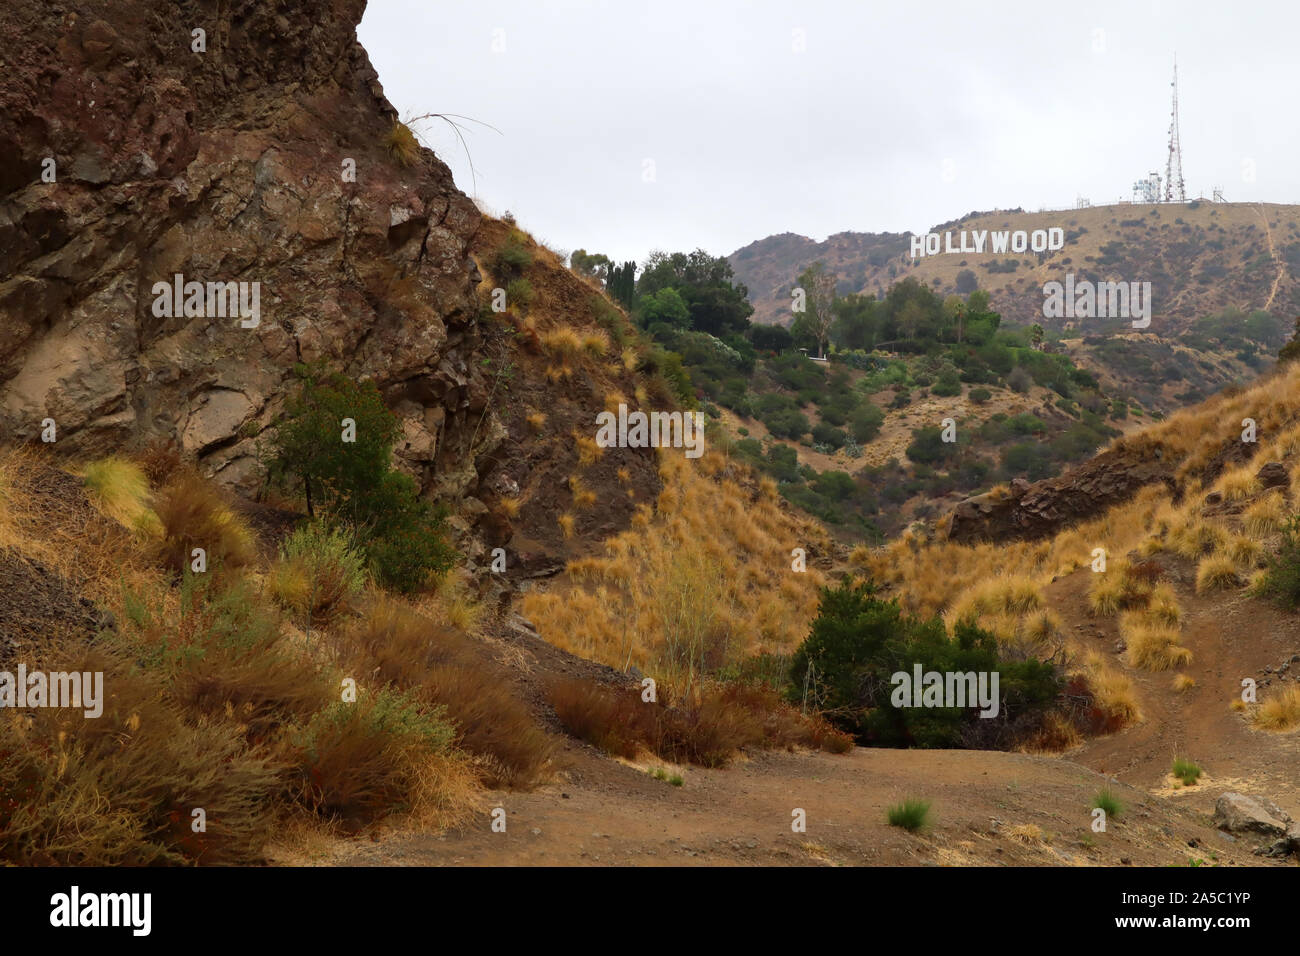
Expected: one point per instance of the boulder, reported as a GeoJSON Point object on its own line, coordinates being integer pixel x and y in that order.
{"type": "Point", "coordinates": [1240, 813]}
{"type": "Point", "coordinates": [1274, 475]}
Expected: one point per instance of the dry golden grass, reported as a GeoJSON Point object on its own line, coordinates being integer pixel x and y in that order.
{"type": "Point", "coordinates": [583, 496]}
{"type": "Point", "coordinates": [1151, 647]}
{"type": "Point", "coordinates": [1183, 683]}
{"type": "Point", "coordinates": [1113, 691]}
{"type": "Point", "coordinates": [1216, 572]}
{"type": "Point", "coordinates": [401, 144]}
{"type": "Point", "coordinates": [589, 451]}
{"type": "Point", "coordinates": [1265, 516]}
{"type": "Point", "coordinates": [1280, 711]}
{"type": "Point", "coordinates": [1243, 551]}
{"type": "Point", "coordinates": [120, 490]}
{"type": "Point", "coordinates": [510, 506]}
{"type": "Point", "coordinates": [567, 523]}
{"type": "Point", "coordinates": [193, 515]}
{"type": "Point", "coordinates": [1029, 834]}
{"type": "Point", "coordinates": [1196, 537]}
{"type": "Point", "coordinates": [1108, 593]}
{"type": "Point", "coordinates": [1240, 484]}
{"type": "Point", "coordinates": [564, 341]}
{"type": "Point", "coordinates": [595, 342]}
{"type": "Point", "coordinates": [1164, 608]}
{"type": "Point", "coordinates": [702, 577]}
{"type": "Point", "coordinates": [39, 518]}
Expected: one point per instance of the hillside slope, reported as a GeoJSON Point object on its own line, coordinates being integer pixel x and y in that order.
{"type": "Point", "coordinates": [1202, 260]}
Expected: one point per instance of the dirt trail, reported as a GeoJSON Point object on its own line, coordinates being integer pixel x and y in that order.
{"type": "Point", "coordinates": [1231, 636]}
{"type": "Point", "coordinates": [1281, 266]}
{"type": "Point", "coordinates": [609, 814]}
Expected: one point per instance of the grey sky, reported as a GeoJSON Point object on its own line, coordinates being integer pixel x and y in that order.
{"type": "Point", "coordinates": [897, 115]}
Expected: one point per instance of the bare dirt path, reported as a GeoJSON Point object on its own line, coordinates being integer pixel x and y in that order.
{"type": "Point", "coordinates": [1231, 636]}
{"type": "Point", "coordinates": [1281, 265]}
{"type": "Point", "coordinates": [988, 809]}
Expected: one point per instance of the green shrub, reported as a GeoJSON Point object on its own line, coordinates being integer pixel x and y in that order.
{"type": "Point", "coordinates": [786, 424]}
{"type": "Point", "coordinates": [1106, 800]}
{"type": "Point", "coordinates": [318, 573]}
{"type": "Point", "coordinates": [858, 642]}
{"type": "Point", "coordinates": [947, 385]}
{"type": "Point", "coordinates": [353, 483]}
{"type": "Point", "coordinates": [828, 435]}
{"type": "Point", "coordinates": [912, 814]}
{"type": "Point", "coordinates": [406, 556]}
{"type": "Point", "coordinates": [1281, 581]}
{"type": "Point", "coordinates": [520, 292]}
{"type": "Point", "coordinates": [1186, 771]}
{"type": "Point", "coordinates": [512, 258]}
{"type": "Point", "coordinates": [866, 421]}
{"type": "Point", "coordinates": [980, 395]}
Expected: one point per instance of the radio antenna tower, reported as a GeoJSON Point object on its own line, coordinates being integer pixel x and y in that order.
{"type": "Point", "coordinates": [1174, 191]}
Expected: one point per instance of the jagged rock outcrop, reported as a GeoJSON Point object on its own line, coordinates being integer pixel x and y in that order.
{"type": "Point", "coordinates": [1045, 507]}
{"type": "Point", "coordinates": [230, 165]}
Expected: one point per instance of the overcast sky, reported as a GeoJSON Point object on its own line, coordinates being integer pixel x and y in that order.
{"type": "Point", "coordinates": [893, 116]}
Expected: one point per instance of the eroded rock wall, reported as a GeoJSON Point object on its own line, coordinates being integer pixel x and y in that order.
{"type": "Point", "coordinates": [228, 165]}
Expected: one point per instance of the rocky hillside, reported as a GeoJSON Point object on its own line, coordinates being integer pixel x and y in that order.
{"type": "Point", "coordinates": [131, 159]}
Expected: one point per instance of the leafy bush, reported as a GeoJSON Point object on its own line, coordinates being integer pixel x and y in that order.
{"type": "Point", "coordinates": [1020, 380]}
{"type": "Point", "coordinates": [353, 482]}
{"type": "Point", "coordinates": [828, 435]}
{"type": "Point", "coordinates": [786, 424]}
{"type": "Point", "coordinates": [866, 421]}
{"type": "Point", "coordinates": [858, 642]}
{"type": "Point", "coordinates": [520, 292]}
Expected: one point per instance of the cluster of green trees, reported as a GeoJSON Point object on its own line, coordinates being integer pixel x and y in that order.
{"type": "Point", "coordinates": [911, 318]}
{"type": "Point", "coordinates": [858, 641]}
{"type": "Point", "coordinates": [699, 318]}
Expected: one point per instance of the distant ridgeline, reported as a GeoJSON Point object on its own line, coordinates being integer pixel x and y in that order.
{"type": "Point", "coordinates": [1166, 302]}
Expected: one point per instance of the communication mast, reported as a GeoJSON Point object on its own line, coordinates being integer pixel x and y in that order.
{"type": "Point", "coordinates": [1174, 191]}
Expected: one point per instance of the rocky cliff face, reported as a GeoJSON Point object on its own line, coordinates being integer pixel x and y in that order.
{"type": "Point", "coordinates": [1043, 508]}
{"type": "Point", "coordinates": [227, 165]}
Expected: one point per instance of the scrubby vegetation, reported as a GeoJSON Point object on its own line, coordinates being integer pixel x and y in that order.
{"type": "Point", "coordinates": [883, 353]}
{"type": "Point", "coordinates": [334, 445]}
{"type": "Point", "coordinates": [261, 692]}
{"type": "Point", "coordinates": [859, 642]}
